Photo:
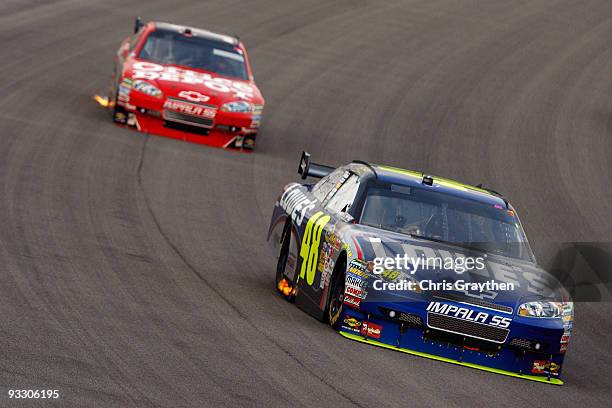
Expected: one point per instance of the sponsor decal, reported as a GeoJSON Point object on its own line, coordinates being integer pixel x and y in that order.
{"type": "Point", "coordinates": [358, 272]}
{"type": "Point", "coordinates": [255, 121]}
{"type": "Point", "coordinates": [352, 324]}
{"type": "Point", "coordinates": [327, 271]}
{"type": "Point", "coordinates": [352, 301]}
{"type": "Point", "coordinates": [131, 120]}
{"type": "Point", "coordinates": [190, 108]}
{"type": "Point", "coordinates": [349, 251]}
{"type": "Point", "coordinates": [469, 314]}
{"type": "Point", "coordinates": [545, 367]}
{"type": "Point", "coordinates": [326, 253]}
{"type": "Point", "coordinates": [296, 203]}
{"type": "Point", "coordinates": [372, 330]}
{"type": "Point", "coordinates": [353, 280]}
{"type": "Point", "coordinates": [345, 176]}
{"type": "Point", "coordinates": [353, 291]}
{"type": "Point", "coordinates": [359, 268]}
{"type": "Point", "coordinates": [120, 117]}
{"type": "Point", "coordinates": [565, 338]}
{"type": "Point", "coordinates": [123, 93]}
{"type": "Point", "coordinates": [322, 259]}
{"type": "Point", "coordinates": [151, 71]}
{"type": "Point", "coordinates": [193, 96]}
{"type": "Point", "coordinates": [333, 240]}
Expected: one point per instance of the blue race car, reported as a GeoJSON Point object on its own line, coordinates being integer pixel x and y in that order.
{"type": "Point", "coordinates": [422, 265]}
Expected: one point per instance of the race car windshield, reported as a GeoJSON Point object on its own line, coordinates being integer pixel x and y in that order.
{"type": "Point", "coordinates": [446, 218]}
{"type": "Point", "coordinates": [193, 52]}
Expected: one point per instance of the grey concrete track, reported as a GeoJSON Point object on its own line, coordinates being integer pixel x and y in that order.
{"type": "Point", "coordinates": [133, 268]}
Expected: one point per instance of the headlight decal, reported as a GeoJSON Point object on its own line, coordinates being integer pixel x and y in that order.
{"type": "Point", "coordinates": [541, 309]}
{"type": "Point", "coordinates": [237, 107]}
{"type": "Point", "coordinates": [545, 309]}
{"type": "Point", "coordinates": [147, 88]}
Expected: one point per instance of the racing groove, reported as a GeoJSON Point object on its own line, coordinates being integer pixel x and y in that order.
{"type": "Point", "coordinates": [134, 269]}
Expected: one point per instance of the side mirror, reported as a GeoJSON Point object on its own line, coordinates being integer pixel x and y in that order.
{"type": "Point", "coordinates": [137, 24]}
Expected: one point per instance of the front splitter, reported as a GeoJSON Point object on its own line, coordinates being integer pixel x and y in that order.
{"type": "Point", "coordinates": [214, 138]}
{"type": "Point", "coordinates": [554, 381]}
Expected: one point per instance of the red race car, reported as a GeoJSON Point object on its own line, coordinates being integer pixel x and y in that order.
{"type": "Point", "coordinates": [186, 83]}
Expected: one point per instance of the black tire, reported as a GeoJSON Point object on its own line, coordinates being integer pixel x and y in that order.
{"type": "Point", "coordinates": [336, 294]}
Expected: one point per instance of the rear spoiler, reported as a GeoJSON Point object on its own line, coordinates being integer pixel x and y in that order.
{"type": "Point", "coordinates": [308, 169]}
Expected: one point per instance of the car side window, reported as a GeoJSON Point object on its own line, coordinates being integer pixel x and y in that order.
{"type": "Point", "coordinates": [328, 183]}
{"type": "Point", "coordinates": [344, 197]}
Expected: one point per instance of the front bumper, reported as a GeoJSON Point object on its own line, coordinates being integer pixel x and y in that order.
{"type": "Point", "coordinates": [225, 129]}
{"type": "Point", "coordinates": [413, 335]}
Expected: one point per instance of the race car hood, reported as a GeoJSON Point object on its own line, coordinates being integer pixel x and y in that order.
{"type": "Point", "coordinates": [193, 85]}
{"type": "Point", "coordinates": [530, 282]}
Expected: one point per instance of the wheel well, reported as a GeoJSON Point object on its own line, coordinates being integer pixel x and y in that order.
{"type": "Point", "coordinates": [340, 261]}
{"type": "Point", "coordinates": [286, 229]}
{"type": "Point", "coordinates": [338, 273]}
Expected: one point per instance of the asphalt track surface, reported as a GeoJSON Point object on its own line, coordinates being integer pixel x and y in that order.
{"type": "Point", "coordinates": [134, 270]}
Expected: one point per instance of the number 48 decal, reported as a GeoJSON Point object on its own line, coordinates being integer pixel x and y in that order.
{"type": "Point", "coordinates": [310, 245]}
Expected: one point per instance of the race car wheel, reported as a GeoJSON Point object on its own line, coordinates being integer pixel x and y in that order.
{"type": "Point", "coordinates": [336, 296]}
{"type": "Point", "coordinates": [284, 284]}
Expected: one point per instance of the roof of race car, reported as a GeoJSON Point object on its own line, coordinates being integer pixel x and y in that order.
{"type": "Point", "coordinates": [412, 178]}
{"type": "Point", "coordinates": [199, 32]}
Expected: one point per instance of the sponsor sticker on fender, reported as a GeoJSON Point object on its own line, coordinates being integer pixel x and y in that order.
{"type": "Point", "coordinates": [296, 203]}
{"type": "Point", "coordinates": [353, 291]}
{"type": "Point", "coordinates": [327, 271]}
{"type": "Point", "coordinates": [372, 330]}
{"type": "Point", "coordinates": [358, 268]}
{"type": "Point", "coordinates": [352, 301]}
{"type": "Point", "coordinates": [190, 108]}
{"type": "Point", "coordinates": [353, 280]}
{"type": "Point", "coordinates": [352, 324]}
{"type": "Point", "coordinates": [545, 367]}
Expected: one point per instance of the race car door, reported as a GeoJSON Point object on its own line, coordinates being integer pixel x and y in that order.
{"type": "Point", "coordinates": [315, 251]}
